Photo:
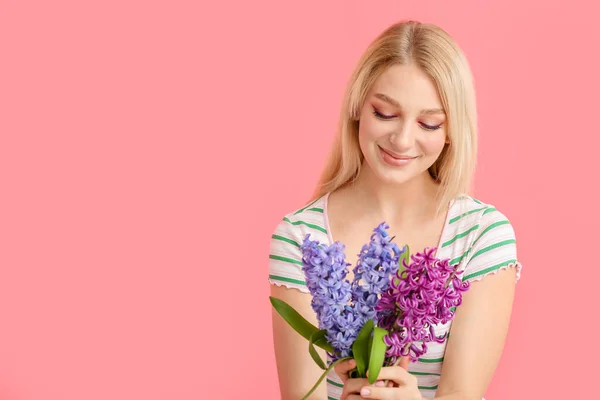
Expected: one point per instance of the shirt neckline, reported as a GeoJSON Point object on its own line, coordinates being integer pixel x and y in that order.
{"type": "Point", "coordinates": [437, 249]}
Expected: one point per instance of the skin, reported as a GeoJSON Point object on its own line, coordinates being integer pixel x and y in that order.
{"type": "Point", "coordinates": [404, 198]}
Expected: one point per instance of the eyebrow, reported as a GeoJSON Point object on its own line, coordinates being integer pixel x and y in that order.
{"type": "Point", "coordinates": [393, 102]}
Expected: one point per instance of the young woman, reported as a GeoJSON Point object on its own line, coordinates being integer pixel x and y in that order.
{"type": "Point", "coordinates": [404, 154]}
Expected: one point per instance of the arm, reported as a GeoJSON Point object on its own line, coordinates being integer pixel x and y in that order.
{"type": "Point", "coordinates": [477, 337]}
{"type": "Point", "coordinates": [296, 369]}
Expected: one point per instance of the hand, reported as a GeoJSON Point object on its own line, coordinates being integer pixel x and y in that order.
{"type": "Point", "coordinates": [343, 368]}
{"type": "Point", "coordinates": [351, 386]}
{"type": "Point", "coordinates": [401, 384]}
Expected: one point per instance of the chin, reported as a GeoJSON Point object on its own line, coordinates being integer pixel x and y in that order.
{"type": "Point", "coordinates": [388, 176]}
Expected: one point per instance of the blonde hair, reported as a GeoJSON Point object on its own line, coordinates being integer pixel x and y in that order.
{"type": "Point", "coordinates": [435, 52]}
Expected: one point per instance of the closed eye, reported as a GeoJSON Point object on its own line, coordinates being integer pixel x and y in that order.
{"type": "Point", "coordinates": [381, 116]}
{"type": "Point", "coordinates": [423, 125]}
{"type": "Point", "coordinates": [430, 127]}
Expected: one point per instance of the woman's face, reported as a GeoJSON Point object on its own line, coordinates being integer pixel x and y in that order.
{"type": "Point", "coordinates": [402, 128]}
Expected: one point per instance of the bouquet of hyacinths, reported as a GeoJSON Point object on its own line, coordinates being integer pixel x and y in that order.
{"type": "Point", "coordinates": [388, 311]}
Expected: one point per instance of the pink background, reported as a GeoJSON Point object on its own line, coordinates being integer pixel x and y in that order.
{"type": "Point", "coordinates": [149, 148]}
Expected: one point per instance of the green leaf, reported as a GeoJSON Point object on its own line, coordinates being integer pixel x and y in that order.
{"type": "Point", "coordinates": [321, 342]}
{"type": "Point", "coordinates": [369, 350]}
{"type": "Point", "coordinates": [403, 256]}
{"type": "Point", "coordinates": [298, 322]}
{"type": "Point", "coordinates": [333, 364]}
{"type": "Point", "coordinates": [360, 349]}
{"type": "Point", "coordinates": [318, 335]}
{"type": "Point", "coordinates": [377, 355]}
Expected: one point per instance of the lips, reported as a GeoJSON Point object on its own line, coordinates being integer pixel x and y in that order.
{"type": "Point", "coordinates": [397, 157]}
{"type": "Point", "coordinates": [395, 160]}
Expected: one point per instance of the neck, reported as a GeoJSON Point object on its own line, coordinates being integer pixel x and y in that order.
{"type": "Point", "coordinates": [411, 201]}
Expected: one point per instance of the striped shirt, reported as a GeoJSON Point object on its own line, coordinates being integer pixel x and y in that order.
{"type": "Point", "coordinates": [476, 236]}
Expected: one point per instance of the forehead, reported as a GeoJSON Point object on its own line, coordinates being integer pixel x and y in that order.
{"type": "Point", "coordinates": [409, 85]}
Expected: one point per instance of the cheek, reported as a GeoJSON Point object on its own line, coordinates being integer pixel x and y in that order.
{"type": "Point", "coordinates": [433, 144]}
{"type": "Point", "coordinates": [371, 129]}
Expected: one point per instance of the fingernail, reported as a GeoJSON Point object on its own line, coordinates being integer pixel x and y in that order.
{"type": "Point", "coordinates": [379, 383]}
{"type": "Point", "coordinates": [365, 392]}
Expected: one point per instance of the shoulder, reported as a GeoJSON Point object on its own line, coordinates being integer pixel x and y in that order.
{"type": "Point", "coordinates": [488, 237]}
{"type": "Point", "coordinates": [476, 215]}
{"type": "Point", "coordinates": [308, 219]}
{"type": "Point", "coordinates": [285, 256]}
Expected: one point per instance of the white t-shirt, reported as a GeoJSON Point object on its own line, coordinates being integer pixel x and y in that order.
{"type": "Point", "coordinates": [476, 236]}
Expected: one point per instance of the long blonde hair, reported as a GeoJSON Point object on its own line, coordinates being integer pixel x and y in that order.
{"type": "Point", "coordinates": [435, 52]}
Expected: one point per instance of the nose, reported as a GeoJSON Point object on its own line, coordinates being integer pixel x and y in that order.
{"type": "Point", "coordinates": [403, 137]}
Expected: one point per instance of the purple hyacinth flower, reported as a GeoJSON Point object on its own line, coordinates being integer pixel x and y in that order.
{"type": "Point", "coordinates": [325, 269]}
{"type": "Point", "coordinates": [421, 296]}
{"type": "Point", "coordinates": [377, 262]}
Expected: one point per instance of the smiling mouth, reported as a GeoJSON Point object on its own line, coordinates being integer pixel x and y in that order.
{"type": "Point", "coordinates": [397, 157]}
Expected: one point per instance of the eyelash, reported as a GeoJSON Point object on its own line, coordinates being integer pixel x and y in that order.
{"type": "Point", "coordinates": [388, 117]}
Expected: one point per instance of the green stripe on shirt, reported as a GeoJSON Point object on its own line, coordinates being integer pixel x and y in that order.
{"type": "Point", "coordinates": [489, 228]}
{"type": "Point", "coordinates": [493, 246]}
{"type": "Point", "coordinates": [312, 226]}
{"type": "Point", "coordinates": [290, 280]}
{"type": "Point", "coordinates": [463, 234]}
{"type": "Point", "coordinates": [428, 387]}
{"type": "Point", "coordinates": [456, 260]}
{"type": "Point", "coordinates": [489, 210]}
{"type": "Point", "coordinates": [453, 220]}
{"type": "Point", "coordinates": [485, 271]}
{"type": "Point", "coordinates": [284, 239]}
{"type": "Point", "coordinates": [340, 385]}
{"type": "Point", "coordinates": [285, 259]}
{"type": "Point", "coordinates": [423, 373]}
{"type": "Point", "coordinates": [431, 360]}
{"type": "Point", "coordinates": [308, 205]}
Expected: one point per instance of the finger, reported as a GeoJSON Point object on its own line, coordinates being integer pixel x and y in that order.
{"type": "Point", "coordinates": [353, 386]}
{"type": "Point", "coordinates": [396, 374]}
{"type": "Point", "coordinates": [384, 393]}
{"type": "Point", "coordinates": [404, 362]}
{"type": "Point", "coordinates": [354, 394]}
{"type": "Point", "coordinates": [343, 368]}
